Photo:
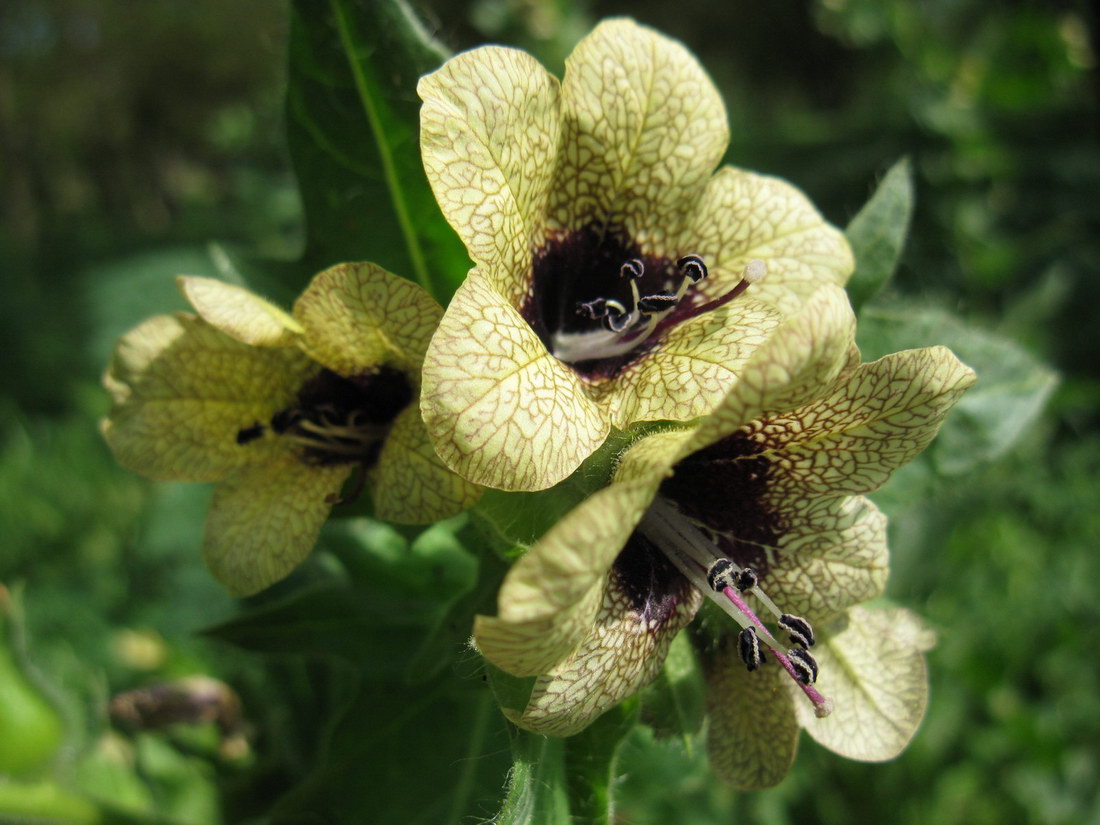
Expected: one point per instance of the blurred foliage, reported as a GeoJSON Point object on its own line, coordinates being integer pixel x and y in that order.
{"type": "Point", "coordinates": [133, 134]}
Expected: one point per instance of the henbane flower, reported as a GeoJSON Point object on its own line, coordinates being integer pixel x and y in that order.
{"type": "Point", "coordinates": [616, 278]}
{"type": "Point", "coordinates": [760, 507]}
{"type": "Point", "coordinates": [280, 409]}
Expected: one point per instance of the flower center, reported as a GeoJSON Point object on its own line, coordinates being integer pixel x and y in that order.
{"type": "Point", "coordinates": [337, 419]}
{"type": "Point", "coordinates": [723, 581]}
{"type": "Point", "coordinates": [597, 302]}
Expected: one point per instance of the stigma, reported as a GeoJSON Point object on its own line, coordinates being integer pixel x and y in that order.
{"type": "Point", "coordinates": [623, 326]}
{"type": "Point", "coordinates": [720, 579]}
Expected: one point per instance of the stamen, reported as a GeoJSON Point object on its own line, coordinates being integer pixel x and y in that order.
{"type": "Point", "coordinates": [746, 579]}
{"type": "Point", "coordinates": [721, 575]}
{"type": "Point", "coordinates": [594, 309]}
{"type": "Point", "coordinates": [748, 645]}
{"type": "Point", "coordinates": [625, 329]}
{"type": "Point", "coordinates": [754, 271]}
{"type": "Point", "coordinates": [717, 577]}
{"type": "Point", "coordinates": [250, 434]}
{"type": "Point", "coordinates": [761, 595]}
{"type": "Point", "coordinates": [805, 664]}
{"type": "Point", "coordinates": [804, 672]}
{"type": "Point", "coordinates": [321, 445]}
{"type": "Point", "coordinates": [283, 420]}
{"type": "Point", "coordinates": [633, 269]}
{"type": "Point", "coordinates": [658, 302]}
{"type": "Point", "coordinates": [618, 321]}
{"type": "Point", "coordinates": [800, 630]}
{"type": "Point", "coordinates": [692, 268]}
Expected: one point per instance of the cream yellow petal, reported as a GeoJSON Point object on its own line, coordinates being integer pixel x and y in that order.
{"type": "Point", "coordinates": [489, 132]}
{"type": "Point", "coordinates": [800, 357]}
{"type": "Point", "coordinates": [692, 368]}
{"type": "Point", "coordinates": [879, 417]}
{"type": "Point", "coordinates": [264, 520]}
{"type": "Point", "coordinates": [183, 391]}
{"type": "Point", "coordinates": [873, 670]}
{"type": "Point", "coordinates": [649, 460]}
{"type": "Point", "coordinates": [553, 594]}
{"type": "Point", "coordinates": [832, 555]}
{"type": "Point", "coordinates": [239, 313]}
{"type": "Point", "coordinates": [411, 484]}
{"type": "Point", "coordinates": [644, 127]}
{"type": "Point", "coordinates": [753, 733]}
{"type": "Point", "coordinates": [358, 316]}
{"type": "Point", "coordinates": [743, 216]}
{"type": "Point", "coordinates": [500, 409]}
{"type": "Point", "coordinates": [622, 653]}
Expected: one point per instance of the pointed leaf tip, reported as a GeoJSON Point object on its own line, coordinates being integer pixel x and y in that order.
{"type": "Point", "coordinates": [877, 233]}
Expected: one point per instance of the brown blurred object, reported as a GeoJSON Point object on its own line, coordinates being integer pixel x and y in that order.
{"type": "Point", "coordinates": [193, 700]}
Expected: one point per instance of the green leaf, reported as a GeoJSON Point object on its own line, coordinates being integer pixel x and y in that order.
{"type": "Point", "coordinates": [398, 593]}
{"type": "Point", "coordinates": [516, 520]}
{"type": "Point", "coordinates": [877, 233]}
{"type": "Point", "coordinates": [561, 780]}
{"type": "Point", "coordinates": [352, 128]}
{"type": "Point", "coordinates": [1012, 390]}
{"type": "Point", "coordinates": [330, 620]}
{"type": "Point", "coordinates": [674, 703]}
{"type": "Point", "coordinates": [590, 759]}
{"type": "Point", "coordinates": [449, 635]}
{"type": "Point", "coordinates": [429, 755]}
{"type": "Point", "coordinates": [536, 784]}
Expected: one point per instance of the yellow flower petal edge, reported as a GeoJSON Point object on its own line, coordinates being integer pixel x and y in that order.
{"type": "Point", "coordinates": [692, 370]}
{"type": "Point", "coordinates": [877, 418]}
{"type": "Point", "coordinates": [264, 520]}
{"type": "Point", "coordinates": [358, 315]}
{"type": "Point", "coordinates": [800, 357]}
{"type": "Point", "coordinates": [752, 736]}
{"type": "Point", "coordinates": [831, 556]}
{"type": "Point", "coordinates": [744, 215]}
{"type": "Point", "coordinates": [621, 653]}
{"type": "Point", "coordinates": [552, 595]}
{"type": "Point", "coordinates": [239, 313]}
{"type": "Point", "coordinates": [874, 670]}
{"type": "Point", "coordinates": [410, 483]}
{"type": "Point", "coordinates": [502, 411]}
{"type": "Point", "coordinates": [181, 391]}
{"type": "Point", "coordinates": [644, 129]}
{"type": "Point", "coordinates": [489, 132]}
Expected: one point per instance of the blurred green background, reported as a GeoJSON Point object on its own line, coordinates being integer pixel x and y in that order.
{"type": "Point", "coordinates": [134, 134]}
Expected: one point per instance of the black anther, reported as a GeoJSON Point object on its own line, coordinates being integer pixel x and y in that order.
{"type": "Point", "coordinates": [616, 321]}
{"type": "Point", "coordinates": [657, 302]}
{"type": "Point", "coordinates": [805, 665]}
{"type": "Point", "coordinates": [720, 575]}
{"type": "Point", "coordinates": [249, 434]}
{"type": "Point", "coordinates": [748, 645]}
{"type": "Point", "coordinates": [283, 420]}
{"type": "Point", "coordinates": [802, 633]}
{"type": "Point", "coordinates": [633, 269]}
{"type": "Point", "coordinates": [746, 579]}
{"type": "Point", "coordinates": [692, 266]}
{"type": "Point", "coordinates": [596, 308]}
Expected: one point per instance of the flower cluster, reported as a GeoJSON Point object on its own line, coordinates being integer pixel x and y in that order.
{"type": "Point", "coordinates": [618, 281]}
{"type": "Point", "coordinates": [758, 507]}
